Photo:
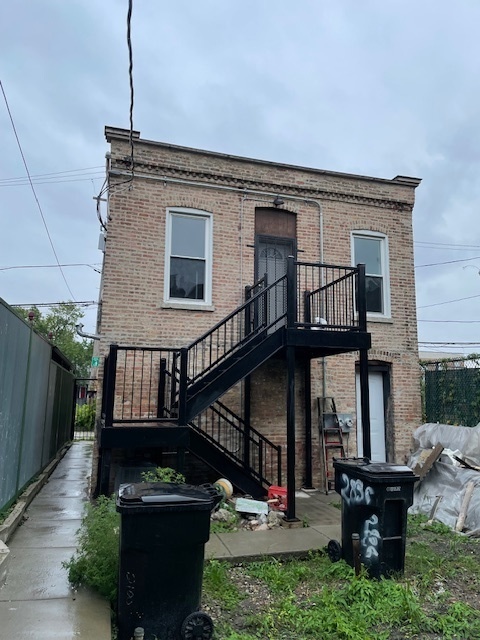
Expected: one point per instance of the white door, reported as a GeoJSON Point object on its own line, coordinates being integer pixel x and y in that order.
{"type": "Point", "coordinates": [377, 417]}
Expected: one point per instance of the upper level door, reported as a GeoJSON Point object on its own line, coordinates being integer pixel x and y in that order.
{"type": "Point", "coordinates": [271, 259]}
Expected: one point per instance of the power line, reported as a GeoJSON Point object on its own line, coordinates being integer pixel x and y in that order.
{"type": "Point", "coordinates": [53, 174]}
{"type": "Point", "coordinates": [446, 244]}
{"type": "Point", "coordinates": [26, 183]}
{"type": "Point", "coordinates": [452, 321]}
{"type": "Point", "coordinates": [435, 264]}
{"type": "Point", "coordinates": [80, 303]}
{"type": "Point", "coordinates": [107, 187]}
{"type": "Point", "coordinates": [50, 266]}
{"type": "Point", "coordinates": [130, 77]}
{"type": "Point", "coordinates": [437, 304]}
{"type": "Point", "coordinates": [451, 344]}
{"type": "Point", "coordinates": [33, 190]}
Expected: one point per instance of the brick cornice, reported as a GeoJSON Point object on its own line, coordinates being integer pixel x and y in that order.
{"type": "Point", "coordinates": [226, 180]}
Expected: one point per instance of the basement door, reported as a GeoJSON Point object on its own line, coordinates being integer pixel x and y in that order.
{"type": "Point", "coordinates": [377, 416]}
{"type": "Point", "coordinates": [271, 259]}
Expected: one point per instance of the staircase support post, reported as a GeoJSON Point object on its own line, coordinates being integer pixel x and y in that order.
{"type": "Point", "coordinates": [290, 513]}
{"type": "Point", "coordinates": [109, 385]}
{"type": "Point", "coordinates": [364, 387]}
{"type": "Point", "coordinates": [308, 426]}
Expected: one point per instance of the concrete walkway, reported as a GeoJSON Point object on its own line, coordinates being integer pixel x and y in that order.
{"type": "Point", "coordinates": [314, 508]}
{"type": "Point", "coordinates": [36, 601]}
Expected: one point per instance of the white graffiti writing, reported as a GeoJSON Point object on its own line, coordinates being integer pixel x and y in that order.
{"type": "Point", "coordinates": [130, 588]}
{"type": "Point", "coordinates": [370, 539]}
{"type": "Point", "coordinates": [353, 491]}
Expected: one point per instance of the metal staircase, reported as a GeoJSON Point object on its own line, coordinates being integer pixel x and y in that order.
{"type": "Point", "coordinates": [172, 395]}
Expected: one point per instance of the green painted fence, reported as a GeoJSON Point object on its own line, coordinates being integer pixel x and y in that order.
{"type": "Point", "coordinates": [36, 403]}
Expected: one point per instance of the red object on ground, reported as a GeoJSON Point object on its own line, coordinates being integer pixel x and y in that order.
{"type": "Point", "coordinates": [277, 497]}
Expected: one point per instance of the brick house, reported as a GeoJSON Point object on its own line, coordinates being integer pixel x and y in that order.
{"type": "Point", "coordinates": [231, 302]}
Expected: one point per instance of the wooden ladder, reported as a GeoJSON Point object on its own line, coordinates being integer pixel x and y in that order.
{"type": "Point", "coordinates": [331, 437]}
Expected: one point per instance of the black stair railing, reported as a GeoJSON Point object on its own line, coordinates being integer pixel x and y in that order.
{"type": "Point", "coordinates": [329, 297]}
{"type": "Point", "coordinates": [227, 431]}
{"type": "Point", "coordinates": [251, 319]}
{"type": "Point", "coordinates": [150, 385]}
{"type": "Point", "coordinates": [142, 387]}
{"type": "Point", "coordinates": [138, 386]}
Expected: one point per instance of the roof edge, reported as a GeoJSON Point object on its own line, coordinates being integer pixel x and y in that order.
{"type": "Point", "coordinates": [117, 133]}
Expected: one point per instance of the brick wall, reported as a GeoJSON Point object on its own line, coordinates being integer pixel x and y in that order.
{"type": "Point", "coordinates": [133, 311]}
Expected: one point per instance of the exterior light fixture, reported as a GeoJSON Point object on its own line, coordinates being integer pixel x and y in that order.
{"type": "Point", "coordinates": [278, 201]}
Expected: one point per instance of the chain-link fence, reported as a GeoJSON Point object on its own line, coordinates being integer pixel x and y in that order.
{"type": "Point", "coordinates": [451, 391]}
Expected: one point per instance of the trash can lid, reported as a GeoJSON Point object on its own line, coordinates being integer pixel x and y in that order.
{"type": "Point", "coordinates": [384, 468]}
{"type": "Point", "coordinates": [163, 493]}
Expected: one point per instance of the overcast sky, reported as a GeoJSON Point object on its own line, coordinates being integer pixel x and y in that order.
{"type": "Point", "coordinates": [372, 87]}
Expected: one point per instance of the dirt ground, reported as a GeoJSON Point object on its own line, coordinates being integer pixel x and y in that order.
{"type": "Point", "coordinates": [445, 569]}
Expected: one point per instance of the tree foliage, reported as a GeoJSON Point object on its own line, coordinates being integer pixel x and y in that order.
{"type": "Point", "coordinates": [58, 325]}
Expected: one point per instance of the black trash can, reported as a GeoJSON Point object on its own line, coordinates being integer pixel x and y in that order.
{"type": "Point", "coordinates": [163, 531]}
{"type": "Point", "coordinates": [375, 500]}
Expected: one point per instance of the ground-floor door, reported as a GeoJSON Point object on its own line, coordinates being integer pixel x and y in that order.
{"type": "Point", "coordinates": [377, 416]}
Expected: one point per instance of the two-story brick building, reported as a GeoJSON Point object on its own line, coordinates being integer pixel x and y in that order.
{"type": "Point", "coordinates": [195, 234]}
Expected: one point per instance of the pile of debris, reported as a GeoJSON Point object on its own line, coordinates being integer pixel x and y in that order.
{"type": "Point", "coordinates": [447, 461]}
{"type": "Point", "coordinates": [250, 515]}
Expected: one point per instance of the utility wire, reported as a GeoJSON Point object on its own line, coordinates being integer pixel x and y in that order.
{"type": "Point", "coordinates": [437, 304]}
{"type": "Point", "coordinates": [54, 174]}
{"type": "Point", "coordinates": [435, 264]}
{"type": "Point", "coordinates": [50, 266]}
{"type": "Point", "coordinates": [80, 303]}
{"type": "Point", "coordinates": [446, 244]}
{"type": "Point", "coordinates": [33, 190]}
{"type": "Point", "coordinates": [452, 321]}
{"type": "Point", "coordinates": [24, 184]}
{"type": "Point", "coordinates": [130, 78]}
{"type": "Point", "coordinates": [107, 187]}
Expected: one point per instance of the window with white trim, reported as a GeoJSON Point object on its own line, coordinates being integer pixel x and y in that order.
{"type": "Point", "coordinates": [188, 257]}
{"type": "Point", "coordinates": [371, 249]}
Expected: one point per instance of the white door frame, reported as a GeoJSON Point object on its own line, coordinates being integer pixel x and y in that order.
{"type": "Point", "coordinates": [377, 415]}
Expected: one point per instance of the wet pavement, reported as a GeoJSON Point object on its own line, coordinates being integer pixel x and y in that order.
{"type": "Point", "coordinates": [37, 601]}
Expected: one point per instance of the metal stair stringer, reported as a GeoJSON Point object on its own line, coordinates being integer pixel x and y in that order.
{"type": "Point", "coordinates": [237, 366]}
{"type": "Point", "coordinates": [242, 479]}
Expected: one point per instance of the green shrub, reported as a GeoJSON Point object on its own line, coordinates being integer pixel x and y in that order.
{"type": "Point", "coordinates": [85, 417]}
{"type": "Point", "coordinates": [96, 562]}
{"type": "Point", "coordinates": [163, 474]}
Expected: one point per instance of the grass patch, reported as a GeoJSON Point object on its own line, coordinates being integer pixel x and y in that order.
{"type": "Point", "coordinates": [96, 562]}
{"type": "Point", "coordinates": [312, 598]}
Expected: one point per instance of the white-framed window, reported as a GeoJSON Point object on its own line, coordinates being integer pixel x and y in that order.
{"type": "Point", "coordinates": [188, 257]}
{"type": "Point", "coordinates": [371, 249]}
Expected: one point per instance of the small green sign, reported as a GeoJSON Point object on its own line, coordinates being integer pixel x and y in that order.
{"type": "Point", "coordinates": [95, 361]}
